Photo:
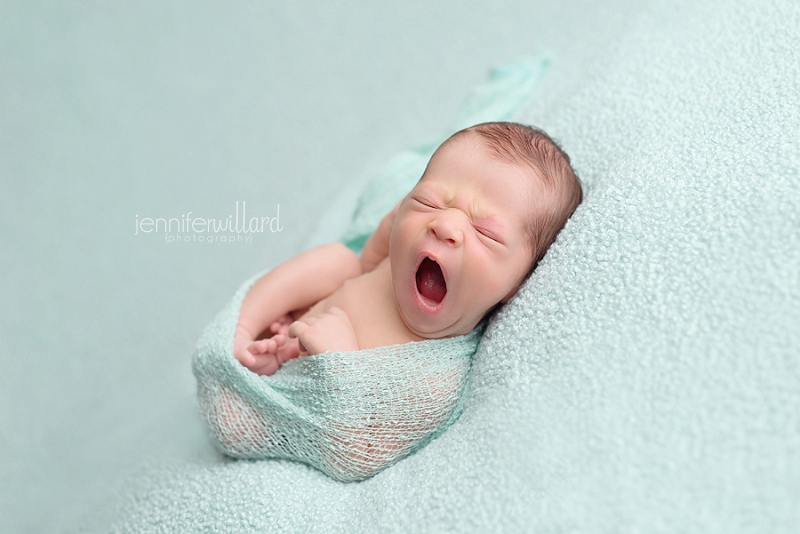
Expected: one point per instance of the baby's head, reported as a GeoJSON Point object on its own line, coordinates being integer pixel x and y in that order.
{"type": "Point", "coordinates": [558, 190]}
{"type": "Point", "coordinates": [489, 205]}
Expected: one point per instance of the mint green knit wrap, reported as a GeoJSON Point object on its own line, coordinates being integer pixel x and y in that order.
{"type": "Point", "coordinates": [349, 414]}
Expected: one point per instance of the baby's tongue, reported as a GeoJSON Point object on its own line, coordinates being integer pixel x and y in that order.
{"type": "Point", "coordinates": [430, 281]}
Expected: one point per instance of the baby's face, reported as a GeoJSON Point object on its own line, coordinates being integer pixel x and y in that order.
{"type": "Point", "coordinates": [459, 244]}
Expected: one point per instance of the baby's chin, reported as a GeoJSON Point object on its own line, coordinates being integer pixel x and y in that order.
{"type": "Point", "coordinates": [440, 325]}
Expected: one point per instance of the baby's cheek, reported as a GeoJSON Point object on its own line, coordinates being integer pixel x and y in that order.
{"type": "Point", "coordinates": [494, 288]}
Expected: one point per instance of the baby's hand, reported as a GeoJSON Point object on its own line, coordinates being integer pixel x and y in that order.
{"type": "Point", "coordinates": [264, 356]}
{"type": "Point", "coordinates": [281, 324]}
{"type": "Point", "coordinates": [331, 331]}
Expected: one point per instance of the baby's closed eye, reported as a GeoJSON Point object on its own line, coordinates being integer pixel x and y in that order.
{"type": "Point", "coordinates": [425, 202]}
{"type": "Point", "coordinates": [489, 235]}
{"type": "Point", "coordinates": [486, 233]}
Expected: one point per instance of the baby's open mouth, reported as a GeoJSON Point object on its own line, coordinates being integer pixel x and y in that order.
{"type": "Point", "coordinates": [430, 281]}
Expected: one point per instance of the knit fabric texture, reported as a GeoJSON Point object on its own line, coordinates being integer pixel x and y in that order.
{"type": "Point", "coordinates": [349, 414]}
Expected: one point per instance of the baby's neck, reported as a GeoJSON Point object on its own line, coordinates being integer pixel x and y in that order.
{"type": "Point", "coordinates": [369, 302]}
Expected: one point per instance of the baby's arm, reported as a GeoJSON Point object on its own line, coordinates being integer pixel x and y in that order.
{"type": "Point", "coordinates": [377, 246]}
{"type": "Point", "coordinates": [294, 285]}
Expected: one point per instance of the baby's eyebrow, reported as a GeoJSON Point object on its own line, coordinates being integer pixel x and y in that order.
{"type": "Point", "coordinates": [426, 189]}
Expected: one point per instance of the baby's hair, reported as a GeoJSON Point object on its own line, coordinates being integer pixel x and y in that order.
{"type": "Point", "coordinates": [533, 148]}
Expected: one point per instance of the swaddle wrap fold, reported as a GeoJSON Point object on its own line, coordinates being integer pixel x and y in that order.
{"type": "Point", "coordinates": [349, 414]}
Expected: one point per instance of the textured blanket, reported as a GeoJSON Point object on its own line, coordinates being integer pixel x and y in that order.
{"type": "Point", "coordinates": [349, 414]}
{"type": "Point", "coordinates": [647, 378]}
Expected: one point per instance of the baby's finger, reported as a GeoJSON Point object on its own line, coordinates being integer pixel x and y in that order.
{"type": "Point", "coordinates": [266, 366]}
{"type": "Point", "coordinates": [257, 347]}
{"type": "Point", "coordinates": [245, 358]}
{"type": "Point", "coordinates": [283, 320]}
{"type": "Point", "coordinates": [298, 327]}
{"type": "Point", "coordinates": [262, 346]}
{"type": "Point", "coordinates": [288, 352]}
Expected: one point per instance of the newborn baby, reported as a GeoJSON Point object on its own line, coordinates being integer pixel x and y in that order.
{"type": "Point", "coordinates": [490, 203]}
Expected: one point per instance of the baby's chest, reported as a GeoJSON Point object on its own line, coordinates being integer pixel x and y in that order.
{"type": "Point", "coordinates": [369, 304]}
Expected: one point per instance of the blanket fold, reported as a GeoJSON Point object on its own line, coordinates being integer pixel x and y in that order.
{"type": "Point", "coordinates": [349, 414]}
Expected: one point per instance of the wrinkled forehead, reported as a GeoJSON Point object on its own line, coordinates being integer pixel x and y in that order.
{"type": "Point", "coordinates": [532, 186]}
{"type": "Point", "coordinates": [510, 191]}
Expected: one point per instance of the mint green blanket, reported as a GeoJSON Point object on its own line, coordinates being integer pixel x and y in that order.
{"type": "Point", "coordinates": [349, 414]}
{"type": "Point", "coordinates": [647, 378]}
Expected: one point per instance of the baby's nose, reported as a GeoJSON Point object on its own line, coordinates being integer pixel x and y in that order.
{"type": "Point", "coordinates": [447, 227]}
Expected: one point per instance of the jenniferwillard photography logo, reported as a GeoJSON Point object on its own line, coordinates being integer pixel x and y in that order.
{"type": "Point", "coordinates": [235, 228]}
